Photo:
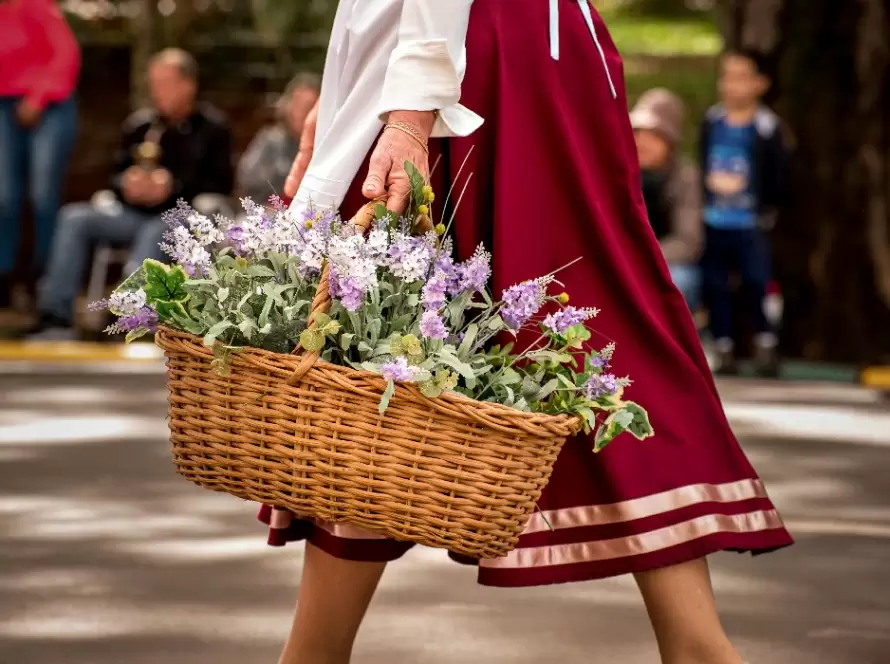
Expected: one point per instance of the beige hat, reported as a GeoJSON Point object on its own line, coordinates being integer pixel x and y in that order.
{"type": "Point", "coordinates": [662, 111]}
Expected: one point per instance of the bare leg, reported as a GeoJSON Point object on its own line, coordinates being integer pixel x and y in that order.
{"type": "Point", "coordinates": [334, 595]}
{"type": "Point", "coordinates": [681, 606]}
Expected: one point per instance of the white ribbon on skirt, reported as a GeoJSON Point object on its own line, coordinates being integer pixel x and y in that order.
{"type": "Point", "coordinates": [588, 18]}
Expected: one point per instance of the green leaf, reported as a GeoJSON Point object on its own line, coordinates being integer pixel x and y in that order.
{"type": "Point", "coordinates": [321, 319]}
{"type": "Point", "coordinates": [496, 324]}
{"type": "Point", "coordinates": [259, 270]}
{"type": "Point", "coordinates": [217, 330]}
{"type": "Point", "coordinates": [550, 356]}
{"type": "Point", "coordinates": [468, 340]}
{"type": "Point", "coordinates": [401, 323]}
{"type": "Point", "coordinates": [387, 395]}
{"type": "Point", "coordinates": [169, 310]}
{"type": "Point", "coordinates": [566, 381]}
{"type": "Point", "coordinates": [546, 391]}
{"type": "Point", "coordinates": [222, 295]}
{"type": "Point", "coordinates": [640, 427]}
{"type": "Point", "coordinates": [346, 340]}
{"type": "Point", "coordinates": [616, 424]}
{"type": "Point", "coordinates": [464, 369]}
{"type": "Point", "coordinates": [263, 318]}
{"type": "Point", "coordinates": [163, 282]}
{"type": "Point", "coordinates": [312, 340]}
{"type": "Point", "coordinates": [509, 377]}
{"type": "Point", "coordinates": [417, 182]}
{"type": "Point", "coordinates": [247, 327]}
{"type": "Point", "coordinates": [430, 389]}
{"type": "Point", "coordinates": [138, 333]}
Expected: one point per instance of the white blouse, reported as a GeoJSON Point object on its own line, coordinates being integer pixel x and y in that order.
{"type": "Point", "coordinates": [387, 55]}
{"type": "Point", "coordinates": [384, 55]}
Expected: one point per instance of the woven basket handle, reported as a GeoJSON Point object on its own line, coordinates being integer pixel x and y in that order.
{"type": "Point", "coordinates": [321, 303]}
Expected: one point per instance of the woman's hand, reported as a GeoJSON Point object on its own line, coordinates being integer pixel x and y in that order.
{"type": "Point", "coordinates": [386, 175]}
{"type": "Point", "coordinates": [304, 154]}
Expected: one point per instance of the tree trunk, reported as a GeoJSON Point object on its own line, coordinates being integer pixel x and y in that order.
{"type": "Point", "coordinates": [832, 248]}
{"type": "Point", "coordinates": [144, 28]}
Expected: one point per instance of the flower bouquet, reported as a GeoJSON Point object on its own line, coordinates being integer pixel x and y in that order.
{"type": "Point", "coordinates": [353, 371]}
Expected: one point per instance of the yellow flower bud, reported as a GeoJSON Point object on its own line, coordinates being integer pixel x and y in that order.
{"type": "Point", "coordinates": [428, 194]}
{"type": "Point", "coordinates": [422, 209]}
{"type": "Point", "coordinates": [309, 224]}
{"type": "Point", "coordinates": [563, 298]}
{"type": "Point", "coordinates": [440, 229]}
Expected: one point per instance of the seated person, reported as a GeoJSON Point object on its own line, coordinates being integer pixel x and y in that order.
{"type": "Point", "coordinates": [179, 148]}
{"type": "Point", "coordinates": [267, 160]}
{"type": "Point", "coordinates": [671, 188]}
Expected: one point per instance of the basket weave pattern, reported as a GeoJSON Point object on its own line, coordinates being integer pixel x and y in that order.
{"type": "Point", "coordinates": [450, 472]}
{"type": "Point", "coordinates": [306, 435]}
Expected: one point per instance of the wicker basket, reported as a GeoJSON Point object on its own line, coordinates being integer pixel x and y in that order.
{"type": "Point", "coordinates": [305, 435]}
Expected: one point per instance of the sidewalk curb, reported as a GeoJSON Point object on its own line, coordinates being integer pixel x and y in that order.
{"type": "Point", "coordinates": [79, 357]}
{"type": "Point", "coordinates": [876, 377]}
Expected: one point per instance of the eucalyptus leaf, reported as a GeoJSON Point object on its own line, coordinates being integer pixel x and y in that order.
{"type": "Point", "coordinates": [464, 369]}
{"type": "Point", "coordinates": [217, 330]}
{"type": "Point", "coordinates": [547, 390]}
{"type": "Point", "coordinates": [469, 339]}
{"type": "Point", "coordinates": [387, 395]}
{"type": "Point", "coordinates": [259, 270]}
{"type": "Point", "coordinates": [133, 335]}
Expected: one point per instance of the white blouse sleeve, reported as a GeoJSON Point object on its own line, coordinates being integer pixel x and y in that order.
{"type": "Point", "coordinates": [426, 68]}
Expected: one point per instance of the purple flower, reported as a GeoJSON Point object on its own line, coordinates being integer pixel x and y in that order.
{"type": "Point", "coordinates": [601, 386]}
{"type": "Point", "coordinates": [235, 235]}
{"type": "Point", "coordinates": [409, 257]}
{"type": "Point", "coordinates": [599, 362]}
{"type": "Point", "coordinates": [276, 203]}
{"type": "Point", "coordinates": [398, 370]}
{"type": "Point", "coordinates": [347, 289]}
{"type": "Point", "coordinates": [475, 273]}
{"type": "Point", "coordinates": [445, 266]}
{"type": "Point", "coordinates": [560, 321]}
{"type": "Point", "coordinates": [432, 326]}
{"type": "Point", "coordinates": [434, 291]}
{"type": "Point", "coordinates": [145, 317]}
{"type": "Point", "coordinates": [522, 301]}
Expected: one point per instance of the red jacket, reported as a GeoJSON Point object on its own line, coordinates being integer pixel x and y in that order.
{"type": "Point", "coordinates": [39, 56]}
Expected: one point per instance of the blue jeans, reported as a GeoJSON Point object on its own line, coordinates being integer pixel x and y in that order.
{"type": "Point", "coordinates": [35, 159]}
{"type": "Point", "coordinates": [687, 279]}
{"type": "Point", "coordinates": [81, 225]}
{"type": "Point", "coordinates": [747, 252]}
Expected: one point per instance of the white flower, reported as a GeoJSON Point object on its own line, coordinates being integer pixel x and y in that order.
{"type": "Point", "coordinates": [203, 228]}
{"type": "Point", "coordinates": [126, 303]}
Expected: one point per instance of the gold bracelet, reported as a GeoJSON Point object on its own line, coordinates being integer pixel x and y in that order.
{"type": "Point", "coordinates": [411, 130]}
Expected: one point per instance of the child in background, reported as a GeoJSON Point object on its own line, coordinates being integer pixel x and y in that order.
{"type": "Point", "coordinates": [670, 188]}
{"type": "Point", "coordinates": [745, 164]}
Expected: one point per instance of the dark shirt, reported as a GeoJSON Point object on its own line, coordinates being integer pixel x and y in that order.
{"type": "Point", "coordinates": [196, 151]}
{"type": "Point", "coordinates": [654, 184]}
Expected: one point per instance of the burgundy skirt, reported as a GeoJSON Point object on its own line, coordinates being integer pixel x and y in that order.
{"type": "Point", "coordinates": [555, 177]}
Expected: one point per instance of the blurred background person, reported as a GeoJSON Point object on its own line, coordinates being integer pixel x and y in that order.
{"type": "Point", "coordinates": [746, 179]}
{"type": "Point", "coordinates": [39, 68]}
{"type": "Point", "coordinates": [265, 164]}
{"type": "Point", "coordinates": [178, 148]}
{"type": "Point", "coordinates": [671, 187]}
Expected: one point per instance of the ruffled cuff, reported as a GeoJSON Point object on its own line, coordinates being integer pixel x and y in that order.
{"type": "Point", "coordinates": [421, 76]}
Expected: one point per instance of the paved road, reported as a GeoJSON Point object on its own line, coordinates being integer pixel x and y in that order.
{"type": "Point", "coordinates": [109, 558]}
